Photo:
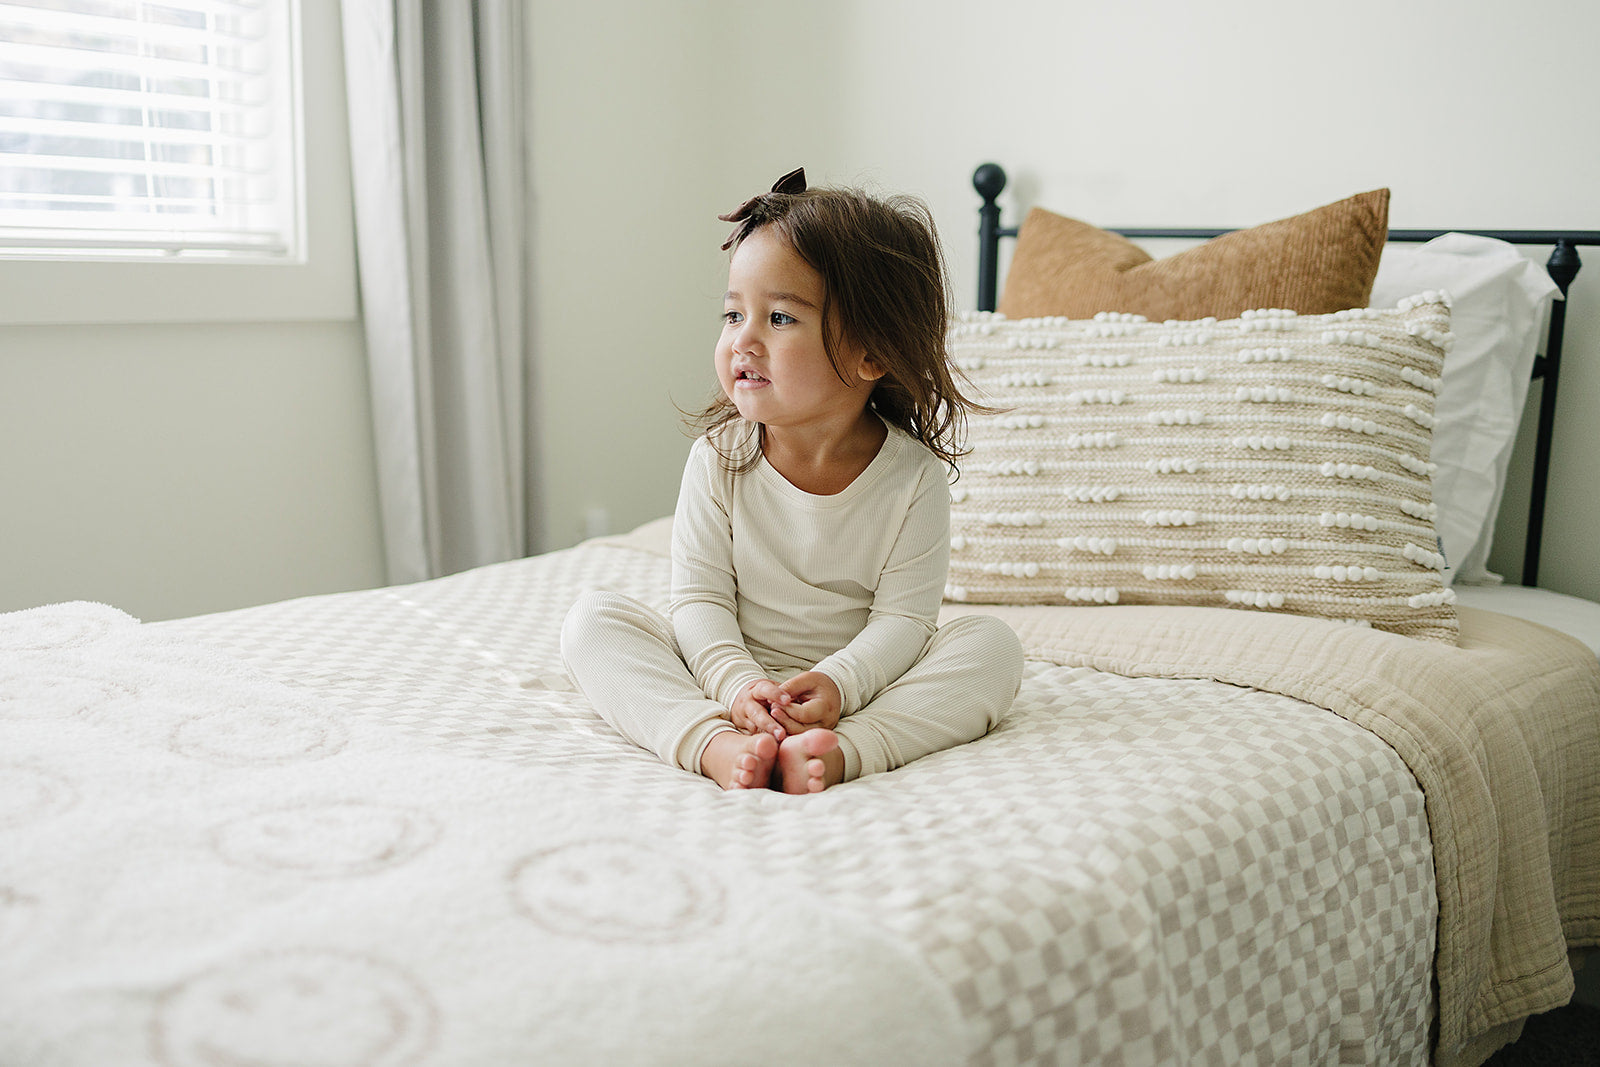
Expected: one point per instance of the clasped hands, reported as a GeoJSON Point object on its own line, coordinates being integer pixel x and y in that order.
{"type": "Point", "coordinates": [807, 701]}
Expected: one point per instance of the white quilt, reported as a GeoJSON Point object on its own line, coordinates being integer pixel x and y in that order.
{"type": "Point", "coordinates": [381, 828]}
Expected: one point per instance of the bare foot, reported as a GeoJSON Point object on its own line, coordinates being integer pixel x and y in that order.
{"type": "Point", "coordinates": [809, 762]}
{"type": "Point", "coordinates": [739, 761]}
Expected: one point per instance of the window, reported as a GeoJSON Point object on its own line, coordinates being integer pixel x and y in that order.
{"type": "Point", "coordinates": [165, 129]}
{"type": "Point", "coordinates": [314, 282]}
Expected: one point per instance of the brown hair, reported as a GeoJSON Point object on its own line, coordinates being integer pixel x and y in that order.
{"type": "Point", "coordinates": [885, 290]}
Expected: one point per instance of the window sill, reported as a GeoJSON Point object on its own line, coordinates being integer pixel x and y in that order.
{"type": "Point", "coordinates": [57, 292]}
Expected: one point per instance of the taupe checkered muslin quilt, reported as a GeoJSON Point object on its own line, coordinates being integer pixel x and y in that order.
{"type": "Point", "coordinates": [1502, 733]}
{"type": "Point", "coordinates": [381, 828]}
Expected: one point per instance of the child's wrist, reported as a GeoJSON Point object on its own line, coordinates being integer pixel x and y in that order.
{"type": "Point", "coordinates": [742, 690]}
{"type": "Point", "coordinates": [838, 690]}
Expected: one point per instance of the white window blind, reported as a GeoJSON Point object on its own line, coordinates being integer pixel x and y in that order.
{"type": "Point", "coordinates": [135, 128]}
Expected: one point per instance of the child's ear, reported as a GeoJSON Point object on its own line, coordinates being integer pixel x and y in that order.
{"type": "Point", "coordinates": [870, 370]}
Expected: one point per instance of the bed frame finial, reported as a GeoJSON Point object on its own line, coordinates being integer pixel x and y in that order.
{"type": "Point", "coordinates": [990, 180]}
{"type": "Point", "coordinates": [1563, 263]}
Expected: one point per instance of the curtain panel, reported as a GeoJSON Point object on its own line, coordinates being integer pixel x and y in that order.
{"type": "Point", "coordinates": [437, 110]}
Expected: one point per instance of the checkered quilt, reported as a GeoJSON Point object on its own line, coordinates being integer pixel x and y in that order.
{"type": "Point", "coordinates": [382, 828]}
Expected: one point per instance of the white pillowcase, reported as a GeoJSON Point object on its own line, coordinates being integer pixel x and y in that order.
{"type": "Point", "coordinates": [1499, 302]}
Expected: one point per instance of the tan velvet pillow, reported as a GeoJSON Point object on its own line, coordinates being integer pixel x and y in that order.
{"type": "Point", "coordinates": [1316, 263]}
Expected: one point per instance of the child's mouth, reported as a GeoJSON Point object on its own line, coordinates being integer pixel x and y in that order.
{"type": "Point", "coordinates": [749, 377]}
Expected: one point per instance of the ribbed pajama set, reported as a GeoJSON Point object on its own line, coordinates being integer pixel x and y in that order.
{"type": "Point", "coordinates": [769, 581]}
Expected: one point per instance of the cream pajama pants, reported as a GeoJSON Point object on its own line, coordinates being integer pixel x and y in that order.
{"type": "Point", "coordinates": [625, 658]}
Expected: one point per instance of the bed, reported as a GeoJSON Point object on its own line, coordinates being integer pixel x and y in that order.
{"type": "Point", "coordinates": [382, 828]}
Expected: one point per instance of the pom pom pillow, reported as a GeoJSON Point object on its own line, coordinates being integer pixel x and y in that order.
{"type": "Point", "coordinates": [1275, 462]}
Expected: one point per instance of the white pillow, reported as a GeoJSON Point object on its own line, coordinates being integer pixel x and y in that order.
{"type": "Point", "coordinates": [1499, 302]}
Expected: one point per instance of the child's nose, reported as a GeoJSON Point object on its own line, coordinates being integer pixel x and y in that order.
{"type": "Point", "coordinates": [748, 337]}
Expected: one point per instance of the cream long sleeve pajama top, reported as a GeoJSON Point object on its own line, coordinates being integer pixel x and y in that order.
{"type": "Point", "coordinates": [766, 576]}
{"type": "Point", "coordinates": [769, 581]}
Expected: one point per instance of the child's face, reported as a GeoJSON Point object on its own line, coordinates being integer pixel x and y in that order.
{"type": "Point", "coordinates": [770, 357]}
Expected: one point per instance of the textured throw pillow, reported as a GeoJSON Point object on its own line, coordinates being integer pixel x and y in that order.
{"type": "Point", "coordinates": [1276, 461]}
{"type": "Point", "coordinates": [1499, 302]}
{"type": "Point", "coordinates": [1315, 263]}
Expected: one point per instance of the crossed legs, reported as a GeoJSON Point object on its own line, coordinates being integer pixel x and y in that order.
{"type": "Point", "coordinates": [625, 658]}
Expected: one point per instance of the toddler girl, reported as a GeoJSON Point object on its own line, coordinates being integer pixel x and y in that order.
{"type": "Point", "coordinates": [811, 539]}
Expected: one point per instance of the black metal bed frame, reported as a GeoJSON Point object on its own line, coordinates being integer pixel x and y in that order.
{"type": "Point", "coordinates": [990, 179]}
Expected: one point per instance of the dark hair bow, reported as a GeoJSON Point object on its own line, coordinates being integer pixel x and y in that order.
{"type": "Point", "coordinates": [793, 182]}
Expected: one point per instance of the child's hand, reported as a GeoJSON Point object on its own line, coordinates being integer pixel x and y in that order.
{"type": "Point", "coordinates": [812, 700]}
{"type": "Point", "coordinates": [751, 709]}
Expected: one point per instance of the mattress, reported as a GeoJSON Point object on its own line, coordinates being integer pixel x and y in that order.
{"type": "Point", "coordinates": [1569, 614]}
{"type": "Point", "coordinates": [382, 828]}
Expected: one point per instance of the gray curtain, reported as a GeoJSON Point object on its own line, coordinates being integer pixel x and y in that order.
{"type": "Point", "coordinates": [437, 133]}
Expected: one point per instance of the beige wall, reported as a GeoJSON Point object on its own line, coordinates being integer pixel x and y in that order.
{"type": "Point", "coordinates": [652, 118]}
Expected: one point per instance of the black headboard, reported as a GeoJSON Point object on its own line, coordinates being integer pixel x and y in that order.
{"type": "Point", "coordinates": [990, 180]}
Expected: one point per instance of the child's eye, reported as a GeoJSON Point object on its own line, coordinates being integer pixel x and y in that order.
{"type": "Point", "coordinates": [732, 318]}
{"type": "Point", "coordinates": [780, 319]}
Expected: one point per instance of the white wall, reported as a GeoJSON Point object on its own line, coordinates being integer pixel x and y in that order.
{"type": "Point", "coordinates": [651, 118]}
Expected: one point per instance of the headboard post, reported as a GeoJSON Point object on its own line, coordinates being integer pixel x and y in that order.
{"type": "Point", "coordinates": [989, 179]}
{"type": "Point", "coordinates": [1563, 266]}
